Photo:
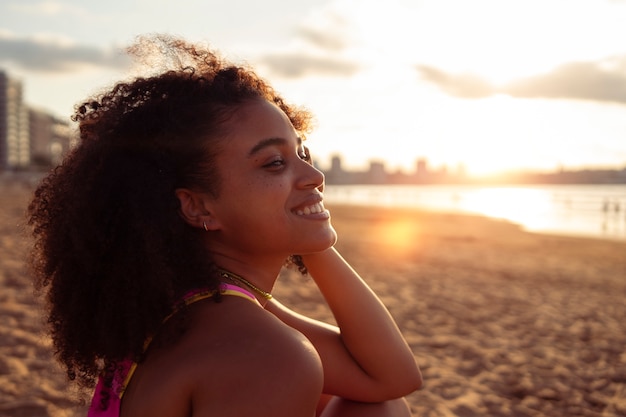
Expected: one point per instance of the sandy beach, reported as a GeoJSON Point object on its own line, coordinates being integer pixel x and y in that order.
{"type": "Point", "coordinates": [502, 322]}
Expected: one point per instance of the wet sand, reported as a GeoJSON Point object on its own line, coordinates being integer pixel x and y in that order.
{"type": "Point", "coordinates": [502, 322]}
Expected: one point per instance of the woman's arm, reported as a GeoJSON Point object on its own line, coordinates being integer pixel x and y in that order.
{"type": "Point", "coordinates": [365, 358]}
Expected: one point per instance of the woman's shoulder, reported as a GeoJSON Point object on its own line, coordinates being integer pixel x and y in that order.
{"type": "Point", "coordinates": [233, 359]}
{"type": "Point", "coordinates": [244, 357]}
{"type": "Point", "coordinates": [238, 330]}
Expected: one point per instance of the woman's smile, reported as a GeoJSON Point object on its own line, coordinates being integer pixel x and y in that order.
{"type": "Point", "coordinates": [313, 207]}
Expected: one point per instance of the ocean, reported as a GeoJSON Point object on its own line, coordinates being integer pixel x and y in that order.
{"type": "Point", "coordinates": [582, 210]}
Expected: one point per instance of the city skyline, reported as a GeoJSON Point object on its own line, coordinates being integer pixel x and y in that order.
{"type": "Point", "coordinates": [29, 138]}
{"type": "Point", "coordinates": [422, 173]}
{"type": "Point", "coordinates": [493, 86]}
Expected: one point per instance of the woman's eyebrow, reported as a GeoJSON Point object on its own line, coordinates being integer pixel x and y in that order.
{"type": "Point", "coordinates": [265, 143]}
{"type": "Point", "coordinates": [269, 142]}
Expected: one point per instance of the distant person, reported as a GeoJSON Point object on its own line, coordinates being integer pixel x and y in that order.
{"type": "Point", "coordinates": [159, 240]}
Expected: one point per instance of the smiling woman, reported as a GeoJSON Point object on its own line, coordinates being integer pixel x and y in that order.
{"type": "Point", "coordinates": [273, 158]}
{"type": "Point", "coordinates": [159, 240]}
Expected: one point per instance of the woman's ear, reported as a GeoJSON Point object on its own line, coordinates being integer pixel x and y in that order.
{"type": "Point", "coordinates": [195, 209]}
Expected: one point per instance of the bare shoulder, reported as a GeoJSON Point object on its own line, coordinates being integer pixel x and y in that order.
{"type": "Point", "coordinates": [250, 363]}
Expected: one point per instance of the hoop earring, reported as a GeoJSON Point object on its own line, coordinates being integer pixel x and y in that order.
{"type": "Point", "coordinates": [206, 229]}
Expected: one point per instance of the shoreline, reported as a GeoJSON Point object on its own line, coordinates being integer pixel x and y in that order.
{"type": "Point", "coordinates": [569, 210]}
{"type": "Point", "coordinates": [444, 212]}
{"type": "Point", "coordinates": [440, 216]}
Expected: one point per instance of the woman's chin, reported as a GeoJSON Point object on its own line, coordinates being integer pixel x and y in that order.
{"type": "Point", "coordinates": [322, 242]}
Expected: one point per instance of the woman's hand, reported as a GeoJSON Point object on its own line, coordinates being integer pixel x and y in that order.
{"type": "Point", "coordinates": [365, 358]}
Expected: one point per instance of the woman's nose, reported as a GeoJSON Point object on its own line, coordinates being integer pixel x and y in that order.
{"type": "Point", "coordinates": [311, 177]}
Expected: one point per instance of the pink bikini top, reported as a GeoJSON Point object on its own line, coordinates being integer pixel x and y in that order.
{"type": "Point", "coordinates": [126, 369]}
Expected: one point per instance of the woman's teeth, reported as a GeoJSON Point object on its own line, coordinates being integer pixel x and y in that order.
{"type": "Point", "coordinates": [315, 208]}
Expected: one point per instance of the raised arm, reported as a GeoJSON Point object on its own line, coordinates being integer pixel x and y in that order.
{"type": "Point", "coordinates": [366, 358]}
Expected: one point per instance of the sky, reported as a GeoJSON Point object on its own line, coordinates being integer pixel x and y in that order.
{"type": "Point", "coordinates": [487, 85]}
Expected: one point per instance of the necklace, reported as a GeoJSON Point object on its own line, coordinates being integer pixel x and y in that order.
{"type": "Point", "coordinates": [242, 280]}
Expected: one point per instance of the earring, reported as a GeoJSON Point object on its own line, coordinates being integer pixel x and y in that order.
{"type": "Point", "coordinates": [206, 229]}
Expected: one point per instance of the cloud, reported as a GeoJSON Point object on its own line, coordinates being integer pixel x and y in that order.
{"type": "Point", "coordinates": [322, 53]}
{"type": "Point", "coordinates": [322, 39]}
{"type": "Point", "coordinates": [603, 81]}
{"type": "Point", "coordinates": [54, 56]}
{"type": "Point", "coordinates": [599, 81]}
{"type": "Point", "coordinates": [463, 85]}
{"type": "Point", "coordinates": [294, 65]}
{"type": "Point", "coordinates": [321, 46]}
{"type": "Point", "coordinates": [50, 8]}
{"type": "Point", "coordinates": [328, 31]}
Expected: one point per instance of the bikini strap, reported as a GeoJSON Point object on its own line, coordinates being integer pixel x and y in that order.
{"type": "Point", "coordinates": [201, 294]}
{"type": "Point", "coordinates": [188, 299]}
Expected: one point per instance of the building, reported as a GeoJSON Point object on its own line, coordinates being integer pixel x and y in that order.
{"type": "Point", "coordinates": [29, 138]}
{"type": "Point", "coordinates": [377, 174]}
{"type": "Point", "coordinates": [14, 128]}
{"type": "Point", "coordinates": [49, 138]}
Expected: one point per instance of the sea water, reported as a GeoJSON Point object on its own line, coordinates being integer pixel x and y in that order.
{"type": "Point", "coordinates": [584, 210]}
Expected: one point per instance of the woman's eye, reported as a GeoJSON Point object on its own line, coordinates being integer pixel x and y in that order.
{"type": "Point", "coordinates": [275, 163]}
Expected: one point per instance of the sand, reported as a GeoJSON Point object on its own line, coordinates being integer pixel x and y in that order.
{"type": "Point", "coordinates": [502, 322]}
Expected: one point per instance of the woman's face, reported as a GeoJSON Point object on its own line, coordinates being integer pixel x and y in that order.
{"type": "Point", "coordinates": [270, 202]}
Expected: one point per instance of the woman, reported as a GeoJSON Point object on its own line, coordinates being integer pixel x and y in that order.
{"type": "Point", "coordinates": [159, 240]}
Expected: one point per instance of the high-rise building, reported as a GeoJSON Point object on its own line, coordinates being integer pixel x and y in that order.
{"type": "Point", "coordinates": [49, 138]}
{"type": "Point", "coordinates": [14, 129]}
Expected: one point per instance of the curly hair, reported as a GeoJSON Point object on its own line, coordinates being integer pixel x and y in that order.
{"type": "Point", "coordinates": [111, 251]}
